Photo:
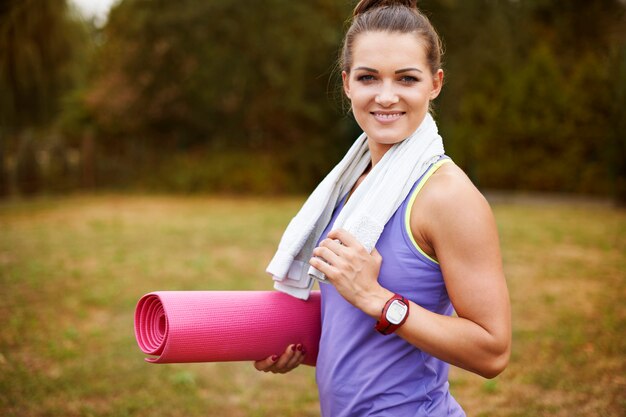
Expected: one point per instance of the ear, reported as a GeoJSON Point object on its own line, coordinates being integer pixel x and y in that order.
{"type": "Point", "coordinates": [345, 78]}
{"type": "Point", "coordinates": [437, 84]}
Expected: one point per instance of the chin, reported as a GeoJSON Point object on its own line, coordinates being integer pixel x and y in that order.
{"type": "Point", "coordinates": [389, 138]}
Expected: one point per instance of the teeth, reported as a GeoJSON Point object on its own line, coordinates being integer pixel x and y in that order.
{"type": "Point", "coordinates": [388, 115]}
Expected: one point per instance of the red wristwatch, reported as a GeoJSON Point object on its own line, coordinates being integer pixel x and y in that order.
{"type": "Point", "coordinates": [394, 314]}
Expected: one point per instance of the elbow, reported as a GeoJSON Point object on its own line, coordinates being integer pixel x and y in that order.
{"type": "Point", "coordinates": [496, 364]}
{"type": "Point", "coordinates": [494, 368]}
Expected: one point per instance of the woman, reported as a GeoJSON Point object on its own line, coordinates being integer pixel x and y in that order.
{"type": "Point", "coordinates": [438, 253]}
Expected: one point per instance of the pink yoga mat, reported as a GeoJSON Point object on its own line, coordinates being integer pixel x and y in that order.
{"type": "Point", "coordinates": [222, 326]}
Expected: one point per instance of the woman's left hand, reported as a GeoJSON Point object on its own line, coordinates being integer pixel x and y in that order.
{"type": "Point", "coordinates": [352, 270]}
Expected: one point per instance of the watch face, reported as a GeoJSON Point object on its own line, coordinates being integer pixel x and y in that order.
{"type": "Point", "coordinates": [396, 312]}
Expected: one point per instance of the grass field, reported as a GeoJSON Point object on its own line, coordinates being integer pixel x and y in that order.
{"type": "Point", "coordinates": [72, 269]}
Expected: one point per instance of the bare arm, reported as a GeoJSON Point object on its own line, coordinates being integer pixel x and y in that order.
{"type": "Point", "coordinates": [461, 232]}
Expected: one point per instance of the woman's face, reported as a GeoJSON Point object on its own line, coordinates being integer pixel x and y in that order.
{"type": "Point", "coordinates": [390, 85]}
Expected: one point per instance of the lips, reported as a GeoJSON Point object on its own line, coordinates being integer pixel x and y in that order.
{"type": "Point", "coordinates": [387, 116]}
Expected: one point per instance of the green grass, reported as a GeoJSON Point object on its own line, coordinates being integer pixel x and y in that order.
{"type": "Point", "coordinates": [72, 269]}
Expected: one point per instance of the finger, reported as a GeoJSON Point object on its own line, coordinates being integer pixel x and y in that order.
{"type": "Point", "coordinates": [377, 256]}
{"type": "Point", "coordinates": [285, 358]}
{"type": "Point", "coordinates": [266, 364]}
{"type": "Point", "coordinates": [345, 237]}
{"type": "Point", "coordinates": [323, 266]}
{"type": "Point", "coordinates": [296, 359]}
{"type": "Point", "coordinates": [333, 244]}
{"type": "Point", "coordinates": [327, 254]}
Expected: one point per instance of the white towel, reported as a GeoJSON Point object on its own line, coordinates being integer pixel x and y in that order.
{"type": "Point", "coordinates": [366, 212]}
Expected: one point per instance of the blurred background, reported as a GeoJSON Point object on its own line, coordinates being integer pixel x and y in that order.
{"type": "Point", "coordinates": [164, 145]}
{"type": "Point", "coordinates": [218, 96]}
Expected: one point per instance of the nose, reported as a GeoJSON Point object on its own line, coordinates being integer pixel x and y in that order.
{"type": "Point", "coordinates": [387, 95]}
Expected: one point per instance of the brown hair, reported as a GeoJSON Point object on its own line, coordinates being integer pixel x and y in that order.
{"type": "Point", "coordinates": [400, 16]}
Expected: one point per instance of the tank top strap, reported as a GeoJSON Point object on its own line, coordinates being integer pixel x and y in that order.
{"type": "Point", "coordinates": [416, 189]}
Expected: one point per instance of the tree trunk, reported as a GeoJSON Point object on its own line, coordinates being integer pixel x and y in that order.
{"type": "Point", "coordinates": [88, 161]}
{"type": "Point", "coordinates": [4, 174]}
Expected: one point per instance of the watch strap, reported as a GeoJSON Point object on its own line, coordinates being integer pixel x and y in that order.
{"type": "Point", "coordinates": [383, 325]}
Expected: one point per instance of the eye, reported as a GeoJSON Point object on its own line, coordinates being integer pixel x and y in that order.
{"type": "Point", "coordinates": [365, 78]}
{"type": "Point", "coordinates": [408, 79]}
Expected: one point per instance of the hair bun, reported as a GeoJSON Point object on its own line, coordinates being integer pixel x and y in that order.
{"type": "Point", "coordinates": [366, 5]}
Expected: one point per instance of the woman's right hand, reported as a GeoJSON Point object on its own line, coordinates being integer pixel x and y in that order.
{"type": "Point", "coordinates": [291, 358]}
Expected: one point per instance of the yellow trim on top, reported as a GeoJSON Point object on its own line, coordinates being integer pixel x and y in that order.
{"type": "Point", "coordinates": [407, 215]}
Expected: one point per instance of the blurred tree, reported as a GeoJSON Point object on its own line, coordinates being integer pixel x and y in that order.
{"type": "Point", "coordinates": [482, 46]}
{"type": "Point", "coordinates": [57, 173]}
{"type": "Point", "coordinates": [195, 91]}
{"type": "Point", "coordinates": [27, 169]}
{"type": "Point", "coordinates": [216, 75]}
{"type": "Point", "coordinates": [4, 175]}
{"type": "Point", "coordinates": [38, 44]}
{"type": "Point", "coordinates": [617, 150]}
{"type": "Point", "coordinates": [528, 96]}
{"type": "Point", "coordinates": [190, 71]}
{"type": "Point", "coordinates": [37, 40]}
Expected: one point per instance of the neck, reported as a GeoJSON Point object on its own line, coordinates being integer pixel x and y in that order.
{"type": "Point", "coordinates": [377, 150]}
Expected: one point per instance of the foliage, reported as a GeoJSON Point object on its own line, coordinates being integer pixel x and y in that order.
{"type": "Point", "coordinates": [171, 93]}
{"type": "Point", "coordinates": [220, 77]}
{"type": "Point", "coordinates": [529, 103]}
{"type": "Point", "coordinates": [42, 58]}
{"type": "Point", "coordinates": [38, 40]}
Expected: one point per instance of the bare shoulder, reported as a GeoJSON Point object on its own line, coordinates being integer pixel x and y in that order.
{"type": "Point", "coordinates": [450, 189]}
{"type": "Point", "coordinates": [449, 203]}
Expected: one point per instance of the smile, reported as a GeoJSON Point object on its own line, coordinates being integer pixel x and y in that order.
{"type": "Point", "coordinates": [387, 117]}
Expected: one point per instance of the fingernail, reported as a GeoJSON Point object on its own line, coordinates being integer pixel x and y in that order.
{"type": "Point", "coordinates": [274, 358]}
{"type": "Point", "coordinates": [293, 348]}
{"type": "Point", "coordinates": [300, 347]}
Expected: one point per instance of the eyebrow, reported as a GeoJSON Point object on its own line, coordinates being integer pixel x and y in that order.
{"type": "Point", "coordinates": [397, 72]}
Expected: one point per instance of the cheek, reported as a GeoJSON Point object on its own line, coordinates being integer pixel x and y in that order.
{"type": "Point", "coordinates": [361, 100]}
{"type": "Point", "coordinates": [420, 99]}
{"type": "Point", "coordinates": [362, 92]}
{"type": "Point", "coordinates": [356, 95]}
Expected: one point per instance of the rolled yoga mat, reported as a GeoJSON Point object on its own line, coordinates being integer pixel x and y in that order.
{"type": "Point", "coordinates": [223, 326]}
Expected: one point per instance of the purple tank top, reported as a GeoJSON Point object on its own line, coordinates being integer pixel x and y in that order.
{"type": "Point", "coordinates": [363, 373]}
